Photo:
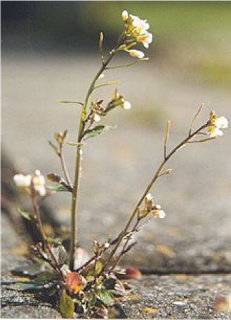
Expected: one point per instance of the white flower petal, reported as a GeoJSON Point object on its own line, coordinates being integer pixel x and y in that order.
{"type": "Point", "coordinates": [149, 197]}
{"type": "Point", "coordinates": [22, 180]}
{"type": "Point", "coordinates": [221, 123]}
{"type": "Point", "coordinates": [162, 214]}
{"type": "Point", "coordinates": [127, 105]}
{"type": "Point", "coordinates": [124, 15]}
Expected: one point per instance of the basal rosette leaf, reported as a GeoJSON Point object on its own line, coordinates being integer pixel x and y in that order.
{"type": "Point", "coordinates": [66, 306]}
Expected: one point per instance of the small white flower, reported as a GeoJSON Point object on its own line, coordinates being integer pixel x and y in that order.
{"type": "Point", "coordinates": [159, 214]}
{"type": "Point", "coordinates": [101, 76]}
{"type": "Point", "coordinates": [216, 124]}
{"type": "Point", "coordinates": [149, 197]}
{"type": "Point", "coordinates": [126, 105]}
{"type": "Point", "coordinates": [221, 122]}
{"type": "Point", "coordinates": [39, 183]}
{"type": "Point", "coordinates": [106, 245]}
{"type": "Point", "coordinates": [145, 39]}
{"type": "Point", "coordinates": [215, 132]}
{"type": "Point", "coordinates": [148, 203]}
{"type": "Point", "coordinates": [136, 54]}
{"type": "Point", "coordinates": [22, 180]}
{"type": "Point", "coordinates": [140, 26]}
{"type": "Point", "coordinates": [96, 117]}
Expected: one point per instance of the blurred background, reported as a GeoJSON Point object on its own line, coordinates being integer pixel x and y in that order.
{"type": "Point", "coordinates": [50, 52]}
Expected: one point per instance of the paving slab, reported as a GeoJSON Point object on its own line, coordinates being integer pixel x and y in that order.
{"type": "Point", "coordinates": [16, 304]}
{"type": "Point", "coordinates": [195, 235]}
{"type": "Point", "coordinates": [171, 296]}
{"type": "Point", "coordinates": [178, 297]}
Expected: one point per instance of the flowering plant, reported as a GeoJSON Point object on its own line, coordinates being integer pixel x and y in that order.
{"type": "Point", "coordinates": [91, 288]}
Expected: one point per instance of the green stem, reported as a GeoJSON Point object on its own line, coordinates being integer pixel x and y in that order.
{"type": "Point", "coordinates": [82, 123]}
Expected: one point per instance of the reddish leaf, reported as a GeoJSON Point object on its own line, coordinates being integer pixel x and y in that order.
{"type": "Point", "coordinates": [75, 282]}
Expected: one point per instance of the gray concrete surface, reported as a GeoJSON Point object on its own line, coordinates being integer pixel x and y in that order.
{"type": "Point", "coordinates": [178, 297]}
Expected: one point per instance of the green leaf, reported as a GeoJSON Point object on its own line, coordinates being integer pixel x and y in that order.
{"type": "Point", "coordinates": [58, 188]}
{"type": "Point", "coordinates": [29, 271]}
{"type": "Point", "coordinates": [98, 267]}
{"type": "Point", "coordinates": [97, 130]}
{"type": "Point", "coordinates": [109, 283]}
{"type": "Point", "coordinates": [44, 277]}
{"type": "Point", "coordinates": [90, 298]}
{"type": "Point", "coordinates": [29, 286]}
{"type": "Point", "coordinates": [26, 215]}
{"type": "Point", "coordinates": [66, 306]}
{"type": "Point", "coordinates": [105, 297]}
{"type": "Point", "coordinates": [60, 254]}
{"type": "Point", "coordinates": [56, 241]}
{"type": "Point", "coordinates": [43, 281]}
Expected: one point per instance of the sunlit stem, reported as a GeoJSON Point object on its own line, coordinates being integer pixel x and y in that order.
{"type": "Point", "coordinates": [154, 179]}
{"type": "Point", "coordinates": [106, 84]}
{"type": "Point", "coordinates": [82, 123]}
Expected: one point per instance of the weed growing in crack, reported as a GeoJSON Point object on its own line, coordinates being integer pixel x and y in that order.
{"type": "Point", "coordinates": [91, 288]}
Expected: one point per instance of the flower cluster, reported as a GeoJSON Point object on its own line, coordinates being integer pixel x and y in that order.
{"type": "Point", "coordinates": [36, 181]}
{"type": "Point", "coordinates": [151, 207]}
{"type": "Point", "coordinates": [216, 124]}
{"type": "Point", "coordinates": [96, 111]}
{"type": "Point", "coordinates": [137, 28]}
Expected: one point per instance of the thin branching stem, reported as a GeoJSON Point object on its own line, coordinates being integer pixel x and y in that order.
{"type": "Point", "coordinates": [154, 179]}
{"type": "Point", "coordinates": [79, 152]}
{"type": "Point", "coordinates": [195, 117]}
{"type": "Point", "coordinates": [106, 84]}
{"type": "Point", "coordinates": [166, 138]}
{"type": "Point", "coordinates": [118, 259]}
{"type": "Point", "coordinates": [46, 244]}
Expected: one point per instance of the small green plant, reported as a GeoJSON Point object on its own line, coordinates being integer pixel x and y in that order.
{"type": "Point", "coordinates": [90, 289]}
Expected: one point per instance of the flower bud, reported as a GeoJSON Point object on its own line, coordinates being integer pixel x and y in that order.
{"type": "Point", "coordinates": [124, 15]}
{"type": "Point", "coordinates": [136, 54]}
